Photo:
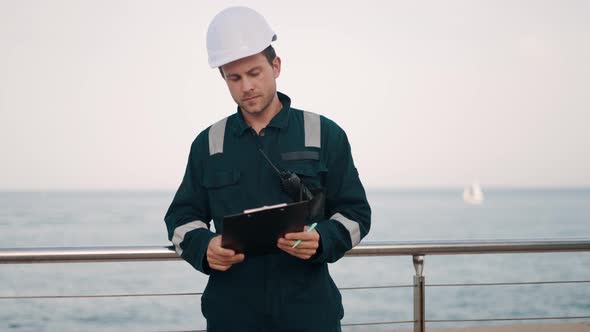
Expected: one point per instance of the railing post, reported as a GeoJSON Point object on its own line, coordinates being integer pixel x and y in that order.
{"type": "Point", "coordinates": [419, 294]}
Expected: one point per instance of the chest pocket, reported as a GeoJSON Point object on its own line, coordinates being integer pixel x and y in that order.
{"type": "Point", "coordinates": [223, 188]}
{"type": "Point", "coordinates": [312, 173]}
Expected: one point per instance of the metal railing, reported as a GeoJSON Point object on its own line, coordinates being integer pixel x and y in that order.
{"type": "Point", "coordinates": [418, 251]}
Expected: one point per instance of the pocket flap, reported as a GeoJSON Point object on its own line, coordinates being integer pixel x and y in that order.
{"type": "Point", "coordinates": [306, 169]}
{"type": "Point", "coordinates": [221, 178]}
{"type": "Point", "coordinates": [301, 155]}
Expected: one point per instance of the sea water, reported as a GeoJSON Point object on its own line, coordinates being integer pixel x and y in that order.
{"type": "Point", "coordinates": [58, 219]}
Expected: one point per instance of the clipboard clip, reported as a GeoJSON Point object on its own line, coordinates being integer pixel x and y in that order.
{"type": "Point", "coordinates": [262, 208]}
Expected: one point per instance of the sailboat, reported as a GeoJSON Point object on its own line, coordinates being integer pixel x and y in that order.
{"type": "Point", "coordinates": [472, 194]}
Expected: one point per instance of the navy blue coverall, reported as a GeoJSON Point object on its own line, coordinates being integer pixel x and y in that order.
{"type": "Point", "coordinates": [226, 174]}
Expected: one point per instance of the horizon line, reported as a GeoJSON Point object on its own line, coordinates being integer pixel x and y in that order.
{"type": "Point", "coordinates": [367, 189]}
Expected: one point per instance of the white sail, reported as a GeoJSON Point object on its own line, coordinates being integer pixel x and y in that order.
{"type": "Point", "coordinates": [473, 194]}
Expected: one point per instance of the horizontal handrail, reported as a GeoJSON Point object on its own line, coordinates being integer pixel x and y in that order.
{"type": "Point", "coordinates": [162, 253]}
{"type": "Point", "coordinates": [464, 247]}
{"type": "Point", "coordinates": [86, 254]}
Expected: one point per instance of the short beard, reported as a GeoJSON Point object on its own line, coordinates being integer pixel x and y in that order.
{"type": "Point", "coordinates": [264, 107]}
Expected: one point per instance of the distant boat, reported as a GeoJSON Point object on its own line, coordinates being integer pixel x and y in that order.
{"type": "Point", "coordinates": [473, 194]}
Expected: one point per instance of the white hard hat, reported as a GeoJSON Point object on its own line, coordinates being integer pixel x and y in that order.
{"type": "Point", "coordinates": [235, 33]}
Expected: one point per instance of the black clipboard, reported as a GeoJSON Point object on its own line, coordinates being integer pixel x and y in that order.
{"type": "Point", "coordinates": [256, 231]}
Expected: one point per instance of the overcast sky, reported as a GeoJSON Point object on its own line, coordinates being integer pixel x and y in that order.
{"type": "Point", "coordinates": [110, 94]}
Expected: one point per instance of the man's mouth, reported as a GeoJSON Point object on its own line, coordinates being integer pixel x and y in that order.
{"type": "Point", "coordinates": [250, 98]}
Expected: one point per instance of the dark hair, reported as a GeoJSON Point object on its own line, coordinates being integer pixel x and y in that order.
{"type": "Point", "coordinates": [269, 53]}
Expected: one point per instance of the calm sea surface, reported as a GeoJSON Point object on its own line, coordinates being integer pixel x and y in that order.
{"type": "Point", "coordinates": [58, 219]}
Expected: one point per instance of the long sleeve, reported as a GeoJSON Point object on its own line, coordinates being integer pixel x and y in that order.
{"type": "Point", "coordinates": [188, 217]}
{"type": "Point", "coordinates": [347, 207]}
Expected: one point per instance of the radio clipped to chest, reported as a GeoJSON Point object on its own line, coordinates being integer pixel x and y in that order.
{"type": "Point", "coordinates": [298, 191]}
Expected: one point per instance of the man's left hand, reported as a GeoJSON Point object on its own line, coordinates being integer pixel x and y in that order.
{"type": "Point", "coordinates": [310, 242]}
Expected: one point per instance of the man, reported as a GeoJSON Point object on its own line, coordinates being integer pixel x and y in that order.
{"type": "Point", "coordinates": [228, 173]}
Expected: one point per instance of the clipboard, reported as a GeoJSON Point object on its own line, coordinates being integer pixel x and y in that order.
{"type": "Point", "coordinates": [256, 231]}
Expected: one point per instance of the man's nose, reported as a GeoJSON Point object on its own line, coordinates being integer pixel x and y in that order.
{"type": "Point", "coordinates": [247, 85]}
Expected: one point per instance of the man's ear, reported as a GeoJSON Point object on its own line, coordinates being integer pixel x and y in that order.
{"type": "Point", "coordinates": [276, 66]}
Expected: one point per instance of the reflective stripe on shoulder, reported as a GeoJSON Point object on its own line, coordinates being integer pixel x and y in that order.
{"type": "Point", "coordinates": [216, 136]}
{"type": "Point", "coordinates": [181, 231]}
{"type": "Point", "coordinates": [313, 129]}
{"type": "Point", "coordinates": [352, 227]}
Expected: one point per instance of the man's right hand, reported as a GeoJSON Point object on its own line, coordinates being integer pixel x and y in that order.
{"type": "Point", "coordinates": [220, 258]}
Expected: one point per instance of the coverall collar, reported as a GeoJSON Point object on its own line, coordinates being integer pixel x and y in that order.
{"type": "Point", "coordinates": [280, 120]}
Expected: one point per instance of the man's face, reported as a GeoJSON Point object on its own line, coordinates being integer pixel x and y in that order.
{"type": "Point", "coordinates": [252, 82]}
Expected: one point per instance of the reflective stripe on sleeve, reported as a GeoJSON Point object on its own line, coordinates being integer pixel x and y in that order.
{"type": "Point", "coordinates": [313, 129]}
{"type": "Point", "coordinates": [216, 136]}
{"type": "Point", "coordinates": [181, 231]}
{"type": "Point", "coordinates": [352, 227]}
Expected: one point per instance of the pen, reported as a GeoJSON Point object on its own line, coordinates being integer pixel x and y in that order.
{"type": "Point", "coordinates": [307, 231]}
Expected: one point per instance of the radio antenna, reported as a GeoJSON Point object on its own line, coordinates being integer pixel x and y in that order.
{"type": "Point", "coordinates": [270, 162]}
